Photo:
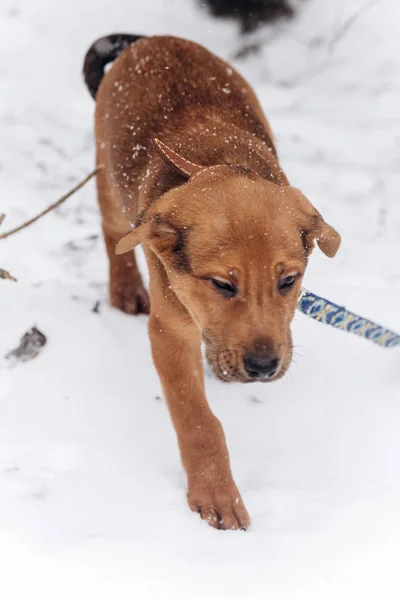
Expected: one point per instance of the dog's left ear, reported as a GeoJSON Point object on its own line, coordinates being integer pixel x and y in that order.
{"type": "Point", "coordinates": [175, 160]}
{"type": "Point", "coordinates": [328, 239]}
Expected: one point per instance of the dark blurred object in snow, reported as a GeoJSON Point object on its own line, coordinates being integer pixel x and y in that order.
{"type": "Point", "coordinates": [250, 13]}
{"type": "Point", "coordinates": [6, 275]}
{"type": "Point", "coordinates": [96, 308]}
{"type": "Point", "coordinates": [29, 347]}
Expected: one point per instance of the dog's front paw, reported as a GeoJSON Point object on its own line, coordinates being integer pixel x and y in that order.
{"type": "Point", "coordinates": [220, 505]}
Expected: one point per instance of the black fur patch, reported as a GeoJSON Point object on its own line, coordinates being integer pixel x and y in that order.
{"type": "Point", "coordinates": [102, 52]}
{"type": "Point", "coordinates": [307, 242]}
{"type": "Point", "coordinates": [164, 226]}
{"type": "Point", "coordinates": [181, 261]}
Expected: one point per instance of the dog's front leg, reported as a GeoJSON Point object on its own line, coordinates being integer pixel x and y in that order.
{"type": "Point", "coordinates": [211, 489]}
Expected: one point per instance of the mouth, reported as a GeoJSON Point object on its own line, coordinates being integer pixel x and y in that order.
{"type": "Point", "coordinates": [239, 377]}
{"type": "Point", "coordinates": [233, 373]}
{"type": "Point", "coordinates": [228, 366]}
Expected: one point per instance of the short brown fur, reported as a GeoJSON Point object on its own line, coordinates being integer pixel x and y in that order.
{"type": "Point", "coordinates": [190, 160]}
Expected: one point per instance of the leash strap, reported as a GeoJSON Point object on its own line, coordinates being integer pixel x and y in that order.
{"type": "Point", "coordinates": [329, 313]}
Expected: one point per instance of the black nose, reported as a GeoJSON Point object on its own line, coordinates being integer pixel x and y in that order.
{"type": "Point", "coordinates": [259, 366]}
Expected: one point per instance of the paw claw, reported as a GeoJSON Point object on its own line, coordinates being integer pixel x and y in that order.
{"type": "Point", "coordinates": [221, 508]}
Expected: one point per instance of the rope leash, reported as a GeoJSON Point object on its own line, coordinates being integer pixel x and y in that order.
{"type": "Point", "coordinates": [327, 312]}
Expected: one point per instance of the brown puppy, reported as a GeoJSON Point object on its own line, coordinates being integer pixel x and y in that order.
{"type": "Point", "coordinates": [190, 166]}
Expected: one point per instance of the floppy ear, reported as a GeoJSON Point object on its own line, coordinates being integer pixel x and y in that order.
{"type": "Point", "coordinates": [132, 239]}
{"type": "Point", "coordinates": [172, 158]}
{"type": "Point", "coordinates": [158, 231]}
{"type": "Point", "coordinates": [327, 238]}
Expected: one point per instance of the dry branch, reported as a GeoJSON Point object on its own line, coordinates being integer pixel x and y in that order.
{"type": "Point", "coordinates": [5, 235]}
{"type": "Point", "coordinates": [5, 274]}
{"type": "Point", "coordinates": [348, 24]}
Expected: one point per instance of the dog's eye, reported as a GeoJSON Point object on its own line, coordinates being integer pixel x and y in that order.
{"type": "Point", "coordinates": [286, 284]}
{"type": "Point", "coordinates": [224, 287]}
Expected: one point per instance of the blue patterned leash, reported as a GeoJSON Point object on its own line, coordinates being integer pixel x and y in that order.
{"type": "Point", "coordinates": [329, 313]}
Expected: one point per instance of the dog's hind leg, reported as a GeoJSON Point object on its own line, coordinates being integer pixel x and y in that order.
{"type": "Point", "coordinates": [126, 288]}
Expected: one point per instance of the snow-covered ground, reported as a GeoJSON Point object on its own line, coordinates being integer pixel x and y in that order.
{"type": "Point", "coordinates": [92, 495]}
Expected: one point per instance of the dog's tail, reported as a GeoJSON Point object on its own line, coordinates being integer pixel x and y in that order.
{"type": "Point", "coordinates": [103, 51]}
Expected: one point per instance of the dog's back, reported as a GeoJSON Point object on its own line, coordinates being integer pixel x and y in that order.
{"type": "Point", "coordinates": [164, 75]}
{"type": "Point", "coordinates": [173, 89]}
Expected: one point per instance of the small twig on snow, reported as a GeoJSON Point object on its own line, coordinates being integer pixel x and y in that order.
{"type": "Point", "coordinates": [51, 207]}
{"type": "Point", "coordinates": [331, 45]}
{"type": "Point", "coordinates": [348, 24]}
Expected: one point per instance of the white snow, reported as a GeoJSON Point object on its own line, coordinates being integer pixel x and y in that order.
{"type": "Point", "coordinates": [92, 495]}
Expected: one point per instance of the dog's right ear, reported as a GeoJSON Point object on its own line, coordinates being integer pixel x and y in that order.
{"type": "Point", "coordinates": [175, 160]}
{"type": "Point", "coordinates": [158, 231]}
{"type": "Point", "coordinates": [132, 239]}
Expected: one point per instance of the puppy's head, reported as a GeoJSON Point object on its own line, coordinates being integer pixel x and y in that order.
{"type": "Point", "coordinates": [235, 248]}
